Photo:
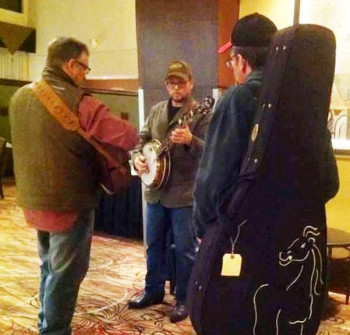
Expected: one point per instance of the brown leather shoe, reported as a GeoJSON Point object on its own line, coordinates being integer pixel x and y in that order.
{"type": "Point", "coordinates": [143, 300]}
{"type": "Point", "coordinates": [178, 313]}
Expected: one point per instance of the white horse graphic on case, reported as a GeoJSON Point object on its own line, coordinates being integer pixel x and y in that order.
{"type": "Point", "coordinates": [304, 253]}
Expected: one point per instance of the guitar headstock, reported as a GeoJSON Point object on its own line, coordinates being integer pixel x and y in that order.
{"type": "Point", "coordinates": [204, 107]}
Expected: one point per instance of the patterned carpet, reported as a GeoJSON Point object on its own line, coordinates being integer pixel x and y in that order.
{"type": "Point", "coordinates": [116, 272]}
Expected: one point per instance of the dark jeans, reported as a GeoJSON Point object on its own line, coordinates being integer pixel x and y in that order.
{"type": "Point", "coordinates": [159, 220]}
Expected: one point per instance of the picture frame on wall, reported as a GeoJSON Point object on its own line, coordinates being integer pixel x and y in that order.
{"type": "Point", "coordinates": [12, 5]}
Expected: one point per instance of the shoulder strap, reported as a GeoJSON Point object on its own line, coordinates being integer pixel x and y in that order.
{"type": "Point", "coordinates": [64, 115]}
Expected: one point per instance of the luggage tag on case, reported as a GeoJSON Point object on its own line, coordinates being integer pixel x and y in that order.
{"type": "Point", "coordinates": [232, 263]}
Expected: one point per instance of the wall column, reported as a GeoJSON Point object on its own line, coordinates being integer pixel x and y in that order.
{"type": "Point", "coordinates": [190, 30]}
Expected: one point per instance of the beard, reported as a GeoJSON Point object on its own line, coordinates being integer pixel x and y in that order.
{"type": "Point", "coordinates": [179, 97]}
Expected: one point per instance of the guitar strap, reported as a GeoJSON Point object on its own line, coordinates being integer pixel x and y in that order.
{"type": "Point", "coordinates": [65, 116]}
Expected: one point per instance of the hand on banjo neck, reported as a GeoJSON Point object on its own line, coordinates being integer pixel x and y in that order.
{"type": "Point", "coordinates": [181, 134]}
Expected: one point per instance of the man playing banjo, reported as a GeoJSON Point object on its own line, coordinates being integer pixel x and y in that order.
{"type": "Point", "coordinates": [169, 203]}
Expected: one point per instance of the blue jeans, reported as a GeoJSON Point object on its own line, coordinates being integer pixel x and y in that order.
{"type": "Point", "coordinates": [64, 263]}
{"type": "Point", "coordinates": [159, 220]}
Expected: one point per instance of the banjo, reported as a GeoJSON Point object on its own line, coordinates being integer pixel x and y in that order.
{"type": "Point", "coordinates": [157, 153]}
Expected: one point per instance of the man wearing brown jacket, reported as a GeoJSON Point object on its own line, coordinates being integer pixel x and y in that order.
{"type": "Point", "coordinates": [170, 207]}
{"type": "Point", "coordinates": [57, 177]}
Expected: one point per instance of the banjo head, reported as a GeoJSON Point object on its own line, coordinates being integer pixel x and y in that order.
{"type": "Point", "coordinates": [159, 166]}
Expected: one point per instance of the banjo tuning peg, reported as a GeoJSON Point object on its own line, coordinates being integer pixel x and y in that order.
{"type": "Point", "coordinates": [209, 102]}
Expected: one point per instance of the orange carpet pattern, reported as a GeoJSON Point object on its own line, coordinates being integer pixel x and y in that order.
{"type": "Point", "coordinates": [116, 272]}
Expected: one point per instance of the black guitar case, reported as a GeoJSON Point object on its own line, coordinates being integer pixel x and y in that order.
{"type": "Point", "coordinates": [275, 217]}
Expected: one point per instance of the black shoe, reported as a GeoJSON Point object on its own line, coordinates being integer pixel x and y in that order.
{"type": "Point", "coordinates": [178, 313]}
{"type": "Point", "coordinates": [143, 300]}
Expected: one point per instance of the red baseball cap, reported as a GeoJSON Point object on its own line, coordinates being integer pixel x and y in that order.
{"type": "Point", "coordinates": [225, 47]}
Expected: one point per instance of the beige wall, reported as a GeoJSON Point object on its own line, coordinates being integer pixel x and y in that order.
{"type": "Point", "coordinates": [338, 209]}
{"type": "Point", "coordinates": [281, 12]}
{"type": "Point", "coordinates": [110, 22]}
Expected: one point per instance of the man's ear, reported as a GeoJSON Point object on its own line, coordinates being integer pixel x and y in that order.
{"type": "Point", "coordinates": [246, 68]}
{"type": "Point", "coordinates": [242, 63]}
{"type": "Point", "coordinates": [70, 64]}
{"type": "Point", "coordinates": [68, 67]}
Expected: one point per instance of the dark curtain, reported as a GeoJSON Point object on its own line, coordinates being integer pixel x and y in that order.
{"type": "Point", "coordinates": [121, 214]}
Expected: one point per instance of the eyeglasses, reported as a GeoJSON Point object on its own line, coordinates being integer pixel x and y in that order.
{"type": "Point", "coordinates": [229, 63]}
{"type": "Point", "coordinates": [85, 67]}
{"type": "Point", "coordinates": [172, 84]}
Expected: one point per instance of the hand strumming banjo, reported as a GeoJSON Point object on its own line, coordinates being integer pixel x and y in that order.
{"type": "Point", "coordinates": [157, 152]}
